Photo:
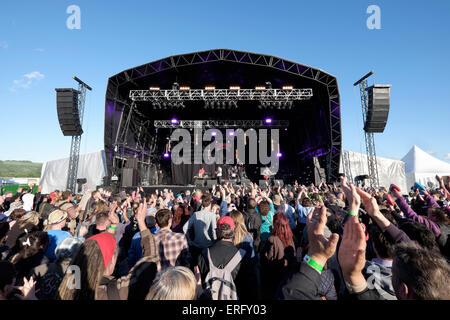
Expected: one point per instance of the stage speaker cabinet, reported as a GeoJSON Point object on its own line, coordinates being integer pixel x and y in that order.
{"type": "Point", "coordinates": [210, 183]}
{"type": "Point", "coordinates": [67, 108]}
{"type": "Point", "coordinates": [378, 107]}
{"type": "Point", "coordinates": [129, 177]}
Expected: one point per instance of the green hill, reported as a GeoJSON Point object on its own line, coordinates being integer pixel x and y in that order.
{"type": "Point", "coordinates": [20, 169]}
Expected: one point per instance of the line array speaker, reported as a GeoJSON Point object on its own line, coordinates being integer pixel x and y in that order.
{"type": "Point", "coordinates": [378, 108]}
{"type": "Point", "coordinates": [67, 108]}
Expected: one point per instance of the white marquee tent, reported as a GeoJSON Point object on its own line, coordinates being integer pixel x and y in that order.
{"type": "Point", "coordinates": [91, 166]}
{"type": "Point", "coordinates": [389, 170]}
{"type": "Point", "coordinates": [422, 167]}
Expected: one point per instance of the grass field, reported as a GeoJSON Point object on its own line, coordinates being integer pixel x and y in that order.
{"type": "Point", "coordinates": [20, 169]}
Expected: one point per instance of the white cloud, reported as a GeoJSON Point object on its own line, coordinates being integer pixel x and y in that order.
{"type": "Point", "coordinates": [3, 45]}
{"type": "Point", "coordinates": [447, 156]}
{"type": "Point", "coordinates": [431, 152]}
{"type": "Point", "coordinates": [26, 80]}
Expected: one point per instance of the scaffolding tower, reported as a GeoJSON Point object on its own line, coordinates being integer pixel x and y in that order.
{"type": "Point", "coordinates": [369, 137]}
{"type": "Point", "coordinates": [76, 140]}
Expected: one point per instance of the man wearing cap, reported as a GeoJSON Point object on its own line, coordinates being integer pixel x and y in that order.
{"type": "Point", "coordinates": [56, 221]}
{"type": "Point", "coordinates": [222, 251]}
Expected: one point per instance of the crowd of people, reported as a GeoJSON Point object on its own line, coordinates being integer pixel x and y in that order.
{"type": "Point", "coordinates": [292, 242]}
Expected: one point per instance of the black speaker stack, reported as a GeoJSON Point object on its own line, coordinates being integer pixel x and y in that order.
{"type": "Point", "coordinates": [378, 108]}
{"type": "Point", "coordinates": [68, 116]}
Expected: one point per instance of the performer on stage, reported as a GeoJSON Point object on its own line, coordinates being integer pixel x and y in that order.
{"type": "Point", "coordinates": [201, 172]}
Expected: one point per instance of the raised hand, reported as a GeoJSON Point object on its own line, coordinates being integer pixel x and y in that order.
{"type": "Point", "coordinates": [320, 248]}
{"type": "Point", "coordinates": [352, 196]}
{"type": "Point", "coordinates": [141, 214]}
{"type": "Point", "coordinates": [352, 254]}
{"type": "Point", "coordinates": [370, 203]}
{"type": "Point", "coordinates": [27, 290]}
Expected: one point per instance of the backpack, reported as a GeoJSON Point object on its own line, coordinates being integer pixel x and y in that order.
{"type": "Point", "coordinates": [219, 282]}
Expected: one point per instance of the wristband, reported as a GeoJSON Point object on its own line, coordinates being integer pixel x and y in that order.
{"type": "Point", "coordinates": [113, 228]}
{"type": "Point", "coordinates": [352, 214]}
{"type": "Point", "coordinates": [313, 264]}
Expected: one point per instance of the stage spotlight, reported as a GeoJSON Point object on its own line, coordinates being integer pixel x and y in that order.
{"type": "Point", "coordinates": [166, 155]}
{"type": "Point", "coordinates": [214, 133]}
{"type": "Point", "coordinates": [164, 105]}
{"type": "Point", "coordinates": [288, 88]}
{"type": "Point", "coordinates": [207, 104]}
{"type": "Point", "coordinates": [231, 133]}
{"type": "Point", "coordinates": [260, 88]}
{"type": "Point", "coordinates": [279, 105]}
{"type": "Point", "coordinates": [223, 104]}
{"type": "Point", "coordinates": [210, 88]}
{"type": "Point", "coordinates": [154, 88]}
{"type": "Point", "coordinates": [279, 155]}
{"type": "Point", "coordinates": [184, 88]}
{"type": "Point", "coordinates": [235, 88]}
{"type": "Point", "coordinates": [268, 120]}
{"type": "Point", "coordinates": [174, 121]}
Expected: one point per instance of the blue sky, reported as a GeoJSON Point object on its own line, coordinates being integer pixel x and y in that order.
{"type": "Point", "coordinates": [38, 53]}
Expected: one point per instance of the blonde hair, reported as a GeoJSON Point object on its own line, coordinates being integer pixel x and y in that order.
{"type": "Point", "coordinates": [240, 231]}
{"type": "Point", "coordinates": [174, 283]}
{"type": "Point", "coordinates": [31, 217]}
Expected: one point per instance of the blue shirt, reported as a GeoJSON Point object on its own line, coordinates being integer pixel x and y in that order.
{"type": "Point", "coordinates": [55, 237]}
{"type": "Point", "coordinates": [135, 251]}
{"type": "Point", "coordinates": [290, 214]}
{"type": "Point", "coordinates": [303, 213]}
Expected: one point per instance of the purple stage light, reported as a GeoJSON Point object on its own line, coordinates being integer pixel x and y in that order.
{"type": "Point", "coordinates": [268, 120]}
{"type": "Point", "coordinates": [174, 121]}
{"type": "Point", "coordinates": [279, 154]}
{"type": "Point", "coordinates": [213, 133]}
{"type": "Point", "coordinates": [166, 155]}
{"type": "Point", "coordinates": [231, 133]}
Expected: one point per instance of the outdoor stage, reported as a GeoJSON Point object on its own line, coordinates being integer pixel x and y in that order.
{"type": "Point", "coordinates": [219, 90]}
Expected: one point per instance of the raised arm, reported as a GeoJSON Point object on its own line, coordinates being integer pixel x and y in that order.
{"type": "Point", "coordinates": [372, 209]}
{"type": "Point", "coordinates": [411, 215]}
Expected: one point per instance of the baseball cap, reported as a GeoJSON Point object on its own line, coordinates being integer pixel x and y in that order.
{"type": "Point", "coordinates": [225, 223]}
{"type": "Point", "coordinates": [56, 217]}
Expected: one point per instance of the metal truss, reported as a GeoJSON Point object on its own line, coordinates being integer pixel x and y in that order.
{"type": "Point", "coordinates": [76, 140]}
{"type": "Point", "coordinates": [220, 124]}
{"type": "Point", "coordinates": [115, 94]}
{"type": "Point", "coordinates": [221, 95]}
{"type": "Point", "coordinates": [369, 137]}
